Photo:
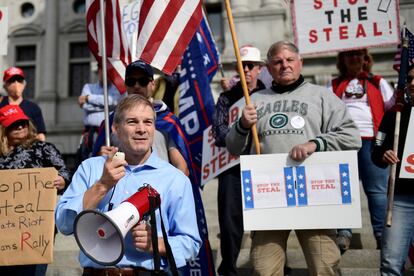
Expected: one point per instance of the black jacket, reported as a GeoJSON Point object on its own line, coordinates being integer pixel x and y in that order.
{"type": "Point", "coordinates": [387, 127]}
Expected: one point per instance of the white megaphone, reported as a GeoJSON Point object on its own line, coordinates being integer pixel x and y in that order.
{"type": "Point", "coordinates": [101, 235]}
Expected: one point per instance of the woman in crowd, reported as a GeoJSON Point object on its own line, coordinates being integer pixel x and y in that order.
{"type": "Point", "coordinates": [20, 149]}
{"type": "Point", "coordinates": [367, 97]}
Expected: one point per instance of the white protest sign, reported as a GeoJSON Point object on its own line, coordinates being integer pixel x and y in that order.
{"type": "Point", "coordinates": [325, 26]}
{"type": "Point", "coordinates": [322, 192]}
{"type": "Point", "coordinates": [130, 21]}
{"type": "Point", "coordinates": [4, 29]}
{"type": "Point", "coordinates": [407, 162]}
{"type": "Point", "coordinates": [217, 159]}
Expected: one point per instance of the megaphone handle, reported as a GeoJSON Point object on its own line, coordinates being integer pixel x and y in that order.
{"type": "Point", "coordinates": [154, 236]}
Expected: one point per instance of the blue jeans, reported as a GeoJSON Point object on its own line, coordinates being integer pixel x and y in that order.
{"type": "Point", "coordinates": [397, 238]}
{"type": "Point", "coordinates": [375, 182]}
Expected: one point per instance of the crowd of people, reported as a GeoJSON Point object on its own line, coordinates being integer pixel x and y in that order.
{"type": "Point", "coordinates": [355, 111]}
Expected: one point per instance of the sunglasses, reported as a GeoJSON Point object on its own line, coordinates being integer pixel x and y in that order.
{"type": "Point", "coordinates": [142, 81]}
{"type": "Point", "coordinates": [250, 65]}
{"type": "Point", "coordinates": [355, 95]}
{"type": "Point", "coordinates": [18, 124]}
{"type": "Point", "coordinates": [16, 78]}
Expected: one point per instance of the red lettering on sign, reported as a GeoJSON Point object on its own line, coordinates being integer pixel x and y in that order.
{"type": "Point", "coordinates": [376, 31]}
{"type": "Point", "coordinates": [210, 135]}
{"type": "Point", "coordinates": [343, 32]}
{"type": "Point", "coordinates": [360, 31]}
{"type": "Point", "coordinates": [222, 159]}
{"type": "Point", "coordinates": [206, 171]}
{"type": "Point", "coordinates": [410, 160]}
{"type": "Point", "coordinates": [24, 237]}
{"type": "Point", "coordinates": [213, 149]}
{"type": "Point", "coordinates": [313, 37]}
{"type": "Point", "coordinates": [323, 186]}
{"type": "Point", "coordinates": [327, 32]}
{"type": "Point", "coordinates": [317, 4]}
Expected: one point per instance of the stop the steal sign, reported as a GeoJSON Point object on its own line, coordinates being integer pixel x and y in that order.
{"type": "Point", "coordinates": [407, 162]}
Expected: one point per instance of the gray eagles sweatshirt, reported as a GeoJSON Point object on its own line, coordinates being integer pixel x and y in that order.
{"type": "Point", "coordinates": [309, 112]}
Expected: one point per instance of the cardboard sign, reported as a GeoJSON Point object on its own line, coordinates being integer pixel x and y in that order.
{"type": "Point", "coordinates": [4, 30]}
{"type": "Point", "coordinates": [326, 26]}
{"type": "Point", "coordinates": [407, 162]}
{"type": "Point", "coordinates": [27, 205]}
{"type": "Point", "coordinates": [320, 193]}
{"type": "Point", "coordinates": [216, 160]}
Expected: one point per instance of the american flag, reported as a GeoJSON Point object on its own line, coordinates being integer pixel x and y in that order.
{"type": "Point", "coordinates": [397, 58]}
{"type": "Point", "coordinates": [166, 30]}
{"type": "Point", "coordinates": [117, 47]}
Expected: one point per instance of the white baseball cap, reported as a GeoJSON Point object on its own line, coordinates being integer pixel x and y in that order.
{"type": "Point", "coordinates": [250, 53]}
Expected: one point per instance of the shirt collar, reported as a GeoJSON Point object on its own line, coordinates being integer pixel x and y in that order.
{"type": "Point", "coordinates": [153, 162]}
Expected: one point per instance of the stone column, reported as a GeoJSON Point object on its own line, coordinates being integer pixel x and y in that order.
{"type": "Point", "coordinates": [240, 5]}
{"type": "Point", "coordinates": [49, 65]}
{"type": "Point", "coordinates": [49, 53]}
{"type": "Point", "coordinates": [266, 4]}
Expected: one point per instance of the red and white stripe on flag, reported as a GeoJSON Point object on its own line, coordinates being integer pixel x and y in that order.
{"type": "Point", "coordinates": [117, 47]}
{"type": "Point", "coordinates": [166, 28]}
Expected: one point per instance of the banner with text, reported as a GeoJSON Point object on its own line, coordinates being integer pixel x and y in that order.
{"type": "Point", "coordinates": [322, 192]}
{"type": "Point", "coordinates": [217, 159]}
{"type": "Point", "coordinates": [326, 26]}
{"type": "Point", "coordinates": [4, 30]}
{"type": "Point", "coordinates": [407, 162]}
{"type": "Point", "coordinates": [27, 204]}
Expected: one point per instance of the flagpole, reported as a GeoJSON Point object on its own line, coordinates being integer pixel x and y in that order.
{"type": "Point", "coordinates": [400, 87]}
{"type": "Point", "coordinates": [104, 74]}
{"type": "Point", "coordinates": [241, 71]}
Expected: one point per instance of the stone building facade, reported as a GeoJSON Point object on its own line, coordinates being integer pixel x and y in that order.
{"type": "Point", "coordinates": [47, 38]}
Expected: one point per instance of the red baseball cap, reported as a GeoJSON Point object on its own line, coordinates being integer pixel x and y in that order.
{"type": "Point", "coordinates": [11, 72]}
{"type": "Point", "coordinates": [10, 114]}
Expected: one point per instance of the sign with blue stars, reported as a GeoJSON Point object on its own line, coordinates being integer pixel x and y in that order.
{"type": "Point", "coordinates": [321, 192]}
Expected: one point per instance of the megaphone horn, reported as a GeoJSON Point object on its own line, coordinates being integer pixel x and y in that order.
{"type": "Point", "coordinates": [100, 236]}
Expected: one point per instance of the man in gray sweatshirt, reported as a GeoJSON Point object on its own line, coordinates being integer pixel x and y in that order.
{"type": "Point", "coordinates": [300, 118]}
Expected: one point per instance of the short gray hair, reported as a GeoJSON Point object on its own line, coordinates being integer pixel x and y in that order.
{"type": "Point", "coordinates": [280, 45]}
{"type": "Point", "coordinates": [129, 102]}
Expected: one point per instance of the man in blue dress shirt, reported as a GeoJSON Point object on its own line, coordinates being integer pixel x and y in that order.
{"type": "Point", "coordinates": [103, 181]}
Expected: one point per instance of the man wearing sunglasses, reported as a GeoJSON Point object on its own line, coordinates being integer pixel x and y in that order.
{"type": "Point", "coordinates": [229, 190]}
{"type": "Point", "coordinates": [139, 79]}
{"type": "Point", "coordinates": [14, 84]}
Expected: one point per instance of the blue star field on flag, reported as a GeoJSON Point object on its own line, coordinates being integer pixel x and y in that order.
{"type": "Point", "coordinates": [301, 186]}
{"type": "Point", "coordinates": [290, 186]}
{"type": "Point", "coordinates": [247, 189]}
{"type": "Point", "coordinates": [345, 184]}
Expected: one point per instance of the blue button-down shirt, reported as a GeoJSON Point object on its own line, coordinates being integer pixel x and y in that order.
{"type": "Point", "coordinates": [177, 205]}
